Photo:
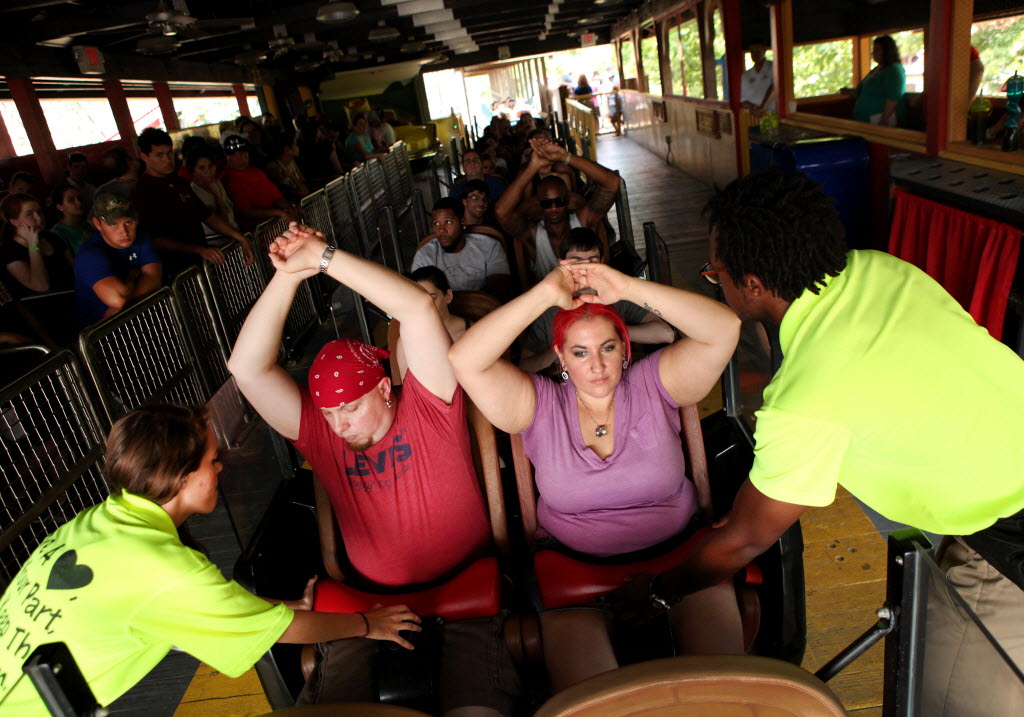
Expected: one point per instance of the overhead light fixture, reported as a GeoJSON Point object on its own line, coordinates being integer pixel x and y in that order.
{"type": "Point", "coordinates": [452, 34]}
{"type": "Point", "coordinates": [442, 26]}
{"type": "Point", "coordinates": [157, 45]}
{"type": "Point", "coordinates": [429, 18]}
{"type": "Point", "coordinates": [334, 12]}
{"type": "Point", "coordinates": [419, 6]}
{"type": "Point", "coordinates": [383, 33]}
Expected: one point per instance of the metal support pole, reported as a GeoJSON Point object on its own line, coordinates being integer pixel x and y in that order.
{"type": "Point", "coordinates": [651, 248]}
{"type": "Point", "coordinates": [456, 156]}
{"type": "Point", "coordinates": [435, 182]}
{"type": "Point", "coordinates": [907, 586]}
{"type": "Point", "coordinates": [419, 215]}
{"type": "Point", "coordinates": [623, 215]}
{"type": "Point", "coordinates": [391, 222]}
{"type": "Point", "coordinates": [887, 615]}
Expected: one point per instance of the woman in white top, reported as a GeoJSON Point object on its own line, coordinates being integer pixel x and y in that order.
{"type": "Point", "coordinates": [202, 162]}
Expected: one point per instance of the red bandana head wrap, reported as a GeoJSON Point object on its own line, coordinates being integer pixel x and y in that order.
{"type": "Point", "coordinates": [345, 371]}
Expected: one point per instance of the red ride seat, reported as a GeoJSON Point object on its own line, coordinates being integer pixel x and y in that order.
{"type": "Point", "coordinates": [475, 592]}
{"type": "Point", "coordinates": [564, 581]}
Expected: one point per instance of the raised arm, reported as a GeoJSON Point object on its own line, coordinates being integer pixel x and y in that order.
{"type": "Point", "coordinates": [607, 180]}
{"type": "Point", "coordinates": [426, 339]}
{"type": "Point", "coordinates": [691, 366]}
{"type": "Point", "coordinates": [507, 210]}
{"type": "Point", "coordinates": [503, 392]}
{"type": "Point", "coordinates": [253, 362]}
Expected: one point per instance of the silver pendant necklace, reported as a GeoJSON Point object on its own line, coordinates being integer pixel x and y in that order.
{"type": "Point", "coordinates": [602, 428]}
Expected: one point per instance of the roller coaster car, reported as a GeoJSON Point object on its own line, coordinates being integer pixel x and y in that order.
{"type": "Point", "coordinates": [282, 558]}
{"type": "Point", "coordinates": [770, 591]}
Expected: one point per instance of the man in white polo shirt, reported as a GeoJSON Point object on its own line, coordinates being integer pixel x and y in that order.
{"type": "Point", "coordinates": [758, 83]}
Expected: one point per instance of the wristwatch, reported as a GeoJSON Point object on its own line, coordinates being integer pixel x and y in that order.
{"type": "Point", "coordinates": [652, 594]}
{"type": "Point", "coordinates": [325, 258]}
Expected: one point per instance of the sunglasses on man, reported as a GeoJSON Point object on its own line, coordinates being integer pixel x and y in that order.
{"type": "Point", "coordinates": [554, 202]}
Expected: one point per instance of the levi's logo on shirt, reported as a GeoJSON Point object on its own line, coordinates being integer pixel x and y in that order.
{"type": "Point", "coordinates": [368, 464]}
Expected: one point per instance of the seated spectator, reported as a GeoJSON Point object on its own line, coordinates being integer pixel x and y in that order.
{"type": "Point", "coordinates": [253, 133]}
{"type": "Point", "coordinates": [379, 124]}
{"type": "Point", "coordinates": [21, 183]}
{"type": "Point", "coordinates": [282, 168]}
{"type": "Point", "coordinates": [202, 164]}
{"type": "Point", "coordinates": [78, 177]}
{"type": "Point", "coordinates": [473, 168]}
{"type": "Point", "coordinates": [36, 260]}
{"type": "Point", "coordinates": [319, 159]}
{"type": "Point", "coordinates": [582, 246]}
{"type": "Point", "coordinates": [542, 239]}
{"type": "Point", "coordinates": [479, 217]}
{"type": "Point", "coordinates": [435, 283]}
{"type": "Point", "coordinates": [124, 582]}
{"type": "Point", "coordinates": [358, 145]}
{"type": "Point", "coordinates": [190, 143]}
{"type": "Point", "coordinates": [124, 170]}
{"type": "Point", "coordinates": [396, 464]}
{"type": "Point", "coordinates": [72, 226]}
{"type": "Point", "coordinates": [172, 214]}
{"type": "Point", "coordinates": [255, 197]}
{"type": "Point", "coordinates": [604, 442]}
{"type": "Point", "coordinates": [115, 266]}
{"type": "Point", "coordinates": [472, 262]}
{"type": "Point", "coordinates": [880, 94]}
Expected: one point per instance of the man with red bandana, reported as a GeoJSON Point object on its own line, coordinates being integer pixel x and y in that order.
{"type": "Point", "coordinates": [395, 463]}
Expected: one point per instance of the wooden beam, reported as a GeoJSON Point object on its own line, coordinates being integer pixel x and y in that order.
{"type": "Point", "coordinates": [958, 101]}
{"type": "Point", "coordinates": [6, 145]}
{"type": "Point", "coordinates": [114, 91]}
{"type": "Point", "coordinates": [937, 73]}
{"type": "Point", "coordinates": [732, 27]}
{"type": "Point", "coordinates": [243, 101]}
{"type": "Point", "coordinates": [782, 46]}
{"type": "Point", "coordinates": [32, 117]}
{"type": "Point", "coordinates": [166, 102]}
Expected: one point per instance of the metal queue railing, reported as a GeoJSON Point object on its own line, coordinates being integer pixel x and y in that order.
{"type": "Point", "coordinates": [235, 288]}
{"type": "Point", "coordinates": [140, 355]}
{"type": "Point", "coordinates": [317, 214]}
{"type": "Point", "coordinates": [192, 294]}
{"type": "Point", "coordinates": [51, 455]}
{"type": "Point", "coordinates": [302, 316]}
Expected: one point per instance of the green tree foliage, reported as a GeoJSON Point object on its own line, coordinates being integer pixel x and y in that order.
{"type": "Point", "coordinates": [822, 68]}
{"type": "Point", "coordinates": [628, 60]}
{"type": "Point", "coordinates": [649, 60]}
{"type": "Point", "coordinates": [1001, 45]}
{"type": "Point", "coordinates": [719, 49]}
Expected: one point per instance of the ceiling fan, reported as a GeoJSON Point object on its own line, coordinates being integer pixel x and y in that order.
{"type": "Point", "coordinates": [170, 25]}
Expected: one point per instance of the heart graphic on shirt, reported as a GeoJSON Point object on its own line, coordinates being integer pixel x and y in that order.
{"type": "Point", "coordinates": [67, 574]}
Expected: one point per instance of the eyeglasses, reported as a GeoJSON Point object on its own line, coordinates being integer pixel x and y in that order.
{"type": "Point", "coordinates": [554, 202]}
{"type": "Point", "coordinates": [712, 275]}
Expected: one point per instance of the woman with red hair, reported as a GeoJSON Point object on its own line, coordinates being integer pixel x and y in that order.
{"type": "Point", "coordinates": [604, 442]}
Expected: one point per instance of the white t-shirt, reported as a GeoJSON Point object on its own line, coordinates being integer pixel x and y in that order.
{"type": "Point", "coordinates": [467, 270]}
{"type": "Point", "coordinates": [755, 84]}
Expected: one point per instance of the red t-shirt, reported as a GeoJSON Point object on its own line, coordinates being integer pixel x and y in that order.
{"type": "Point", "coordinates": [409, 507]}
{"type": "Point", "coordinates": [251, 188]}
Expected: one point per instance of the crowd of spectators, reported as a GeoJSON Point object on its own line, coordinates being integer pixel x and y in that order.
{"type": "Point", "coordinates": [183, 200]}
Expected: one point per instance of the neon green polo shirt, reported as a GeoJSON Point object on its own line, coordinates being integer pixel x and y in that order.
{"type": "Point", "coordinates": [889, 388]}
{"type": "Point", "coordinates": [118, 587]}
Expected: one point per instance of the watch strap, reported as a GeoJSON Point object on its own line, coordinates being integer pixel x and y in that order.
{"type": "Point", "coordinates": [325, 258]}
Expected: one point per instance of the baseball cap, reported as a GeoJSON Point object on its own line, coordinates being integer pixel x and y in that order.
{"type": "Point", "coordinates": [110, 207]}
{"type": "Point", "coordinates": [234, 143]}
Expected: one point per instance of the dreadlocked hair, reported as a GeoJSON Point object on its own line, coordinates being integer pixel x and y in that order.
{"type": "Point", "coordinates": [781, 228]}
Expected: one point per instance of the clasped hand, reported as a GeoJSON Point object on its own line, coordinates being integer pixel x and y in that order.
{"type": "Point", "coordinates": [575, 284]}
{"type": "Point", "coordinates": [298, 250]}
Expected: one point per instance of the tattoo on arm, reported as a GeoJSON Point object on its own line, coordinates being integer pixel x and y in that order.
{"type": "Point", "coordinates": [602, 201]}
{"type": "Point", "coordinates": [652, 310]}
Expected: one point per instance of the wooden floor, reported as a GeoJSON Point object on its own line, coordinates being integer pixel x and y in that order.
{"type": "Point", "coordinates": [844, 555]}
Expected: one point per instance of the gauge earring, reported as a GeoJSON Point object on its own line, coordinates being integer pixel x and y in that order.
{"type": "Point", "coordinates": [565, 374]}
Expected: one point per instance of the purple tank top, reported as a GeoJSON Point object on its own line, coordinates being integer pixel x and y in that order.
{"type": "Point", "coordinates": [639, 496]}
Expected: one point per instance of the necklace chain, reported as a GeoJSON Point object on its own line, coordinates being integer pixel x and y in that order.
{"type": "Point", "coordinates": [602, 428]}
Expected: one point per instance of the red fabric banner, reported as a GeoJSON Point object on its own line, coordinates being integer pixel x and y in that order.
{"type": "Point", "coordinates": [974, 258]}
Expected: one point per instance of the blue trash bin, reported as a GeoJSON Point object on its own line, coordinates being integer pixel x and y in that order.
{"type": "Point", "coordinates": [839, 164]}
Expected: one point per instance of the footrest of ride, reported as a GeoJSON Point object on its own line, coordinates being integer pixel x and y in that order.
{"type": "Point", "coordinates": [475, 592]}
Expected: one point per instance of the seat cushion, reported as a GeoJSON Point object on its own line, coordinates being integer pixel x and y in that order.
{"type": "Point", "coordinates": [475, 592]}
